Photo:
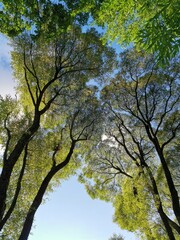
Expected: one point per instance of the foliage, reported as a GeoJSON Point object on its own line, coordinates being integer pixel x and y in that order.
{"type": "Point", "coordinates": [45, 132]}
{"type": "Point", "coordinates": [129, 138]}
{"type": "Point", "coordinates": [131, 164]}
{"type": "Point", "coordinates": [116, 237]}
{"type": "Point", "coordinates": [42, 16]}
{"type": "Point", "coordinates": [151, 25]}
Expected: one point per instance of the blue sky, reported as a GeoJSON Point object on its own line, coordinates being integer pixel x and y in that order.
{"type": "Point", "coordinates": [69, 213]}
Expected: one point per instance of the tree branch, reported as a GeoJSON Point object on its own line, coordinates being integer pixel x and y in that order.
{"type": "Point", "coordinates": [8, 139]}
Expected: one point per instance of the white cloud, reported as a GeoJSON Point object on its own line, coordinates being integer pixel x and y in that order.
{"type": "Point", "coordinates": [6, 80]}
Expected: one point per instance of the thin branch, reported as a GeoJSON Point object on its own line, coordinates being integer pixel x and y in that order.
{"type": "Point", "coordinates": [8, 139]}
{"type": "Point", "coordinates": [172, 137]}
{"type": "Point", "coordinates": [48, 104]}
{"type": "Point", "coordinates": [34, 70]}
{"type": "Point", "coordinates": [125, 147]}
{"type": "Point", "coordinates": [77, 55]}
{"type": "Point", "coordinates": [29, 88]}
{"type": "Point", "coordinates": [83, 130]}
{"type": "Point", "coordinates": [146, 85]}
{"type": "Point", "coordinates": [56, 149]}
{"type": "Point", "coordinates": [166, 106]}
{"type": "Point", "coordinates": [109, 179]}
{"type": "Point", "coordinates": [72, 124]}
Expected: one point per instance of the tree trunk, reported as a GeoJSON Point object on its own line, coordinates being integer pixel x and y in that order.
{"type": "Point", "coordinates": [166, 223]}
{"type": "Point", "coordinates": [172, 189]}
{"type": "Point", "coordinates": [11, 161]}
{"type": "Point", "coordinates": [169, 180]}
{"type": "Point", "coordinates": [158, 205]}
{"type": "Point", "coordinates": [17, 191]}
{"type": "Point", "coordinates": [39, 196]}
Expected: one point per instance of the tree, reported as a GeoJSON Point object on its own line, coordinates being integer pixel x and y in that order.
{"type": "Point", "coordinates": [131, 165]}
{"type": "Point", "coordinates": [116, 237]}
{"type": "Point", "coordinates": [45, 128]}
{"type": "Point", "coordinates": [38, 16]}
{"type": "Point", "coordinates": [151, 25]}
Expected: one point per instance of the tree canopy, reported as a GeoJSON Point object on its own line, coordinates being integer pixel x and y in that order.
{"type": "Point", "coordinates": [39, 16]}
{"type": "Point", "coordinates": [55, 114]}
{"type": "Point", "coordinates": [151, 25]}
{"type": "Point", "coordinates": [131, 165]}
{"type": "Point", "coordinates": [78, 108]}
{"type": "Point", "coordinates": [116, 237]}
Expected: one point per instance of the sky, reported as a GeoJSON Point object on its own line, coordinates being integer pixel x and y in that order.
{"type": "Point", "coordinates": [68, 213]}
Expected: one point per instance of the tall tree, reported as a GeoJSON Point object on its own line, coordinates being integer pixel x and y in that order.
{"type": "Point", "coordinates": [55, 111]}
{"type": "Point", "coordinates": [132, 165]}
